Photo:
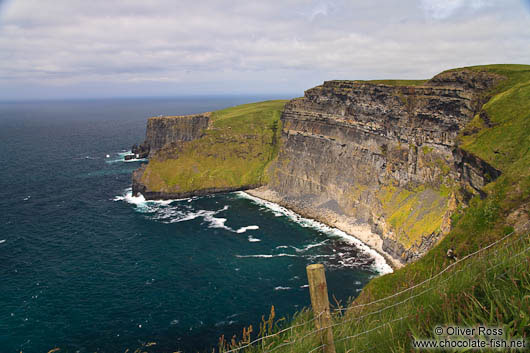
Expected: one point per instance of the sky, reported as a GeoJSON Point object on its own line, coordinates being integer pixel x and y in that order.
{"type": "Point", "coordinates": [129, 48]}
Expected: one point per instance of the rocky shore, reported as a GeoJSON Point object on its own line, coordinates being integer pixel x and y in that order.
{"type": "Point", "coordinates": [332, 219]}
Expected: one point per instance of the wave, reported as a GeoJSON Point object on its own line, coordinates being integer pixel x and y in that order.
{"type": "Point", "coordinates": [380, 264]}
{"type": "Point", "coordinates": [2, 241]}
{"type": "Point", "coordinates": [140, 200]}
{"type": "Point", "coordinates": [225, 323]}
{"type": "Point", "coordinates": [121, 158]}
{"type": "Point", "coordinates": [244, 229]}
{"type": "Point", "coordinates": [282, 288]}
{"type": "Point", "coordinates": [164, 212]}
{"type": "Point", "coordinates": [355, 254]}
{"type": "Point", "coordinates": [309, 246]}
{"type": "Point", "coordinates": [266, 256]}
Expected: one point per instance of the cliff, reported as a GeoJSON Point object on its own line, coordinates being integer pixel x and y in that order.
{"type": "Point", "coordinates": [165, 130]}
{"type": "Point", "coordinates": [222, 151]}
{"type": "Point", "coordinates": [381, 161]}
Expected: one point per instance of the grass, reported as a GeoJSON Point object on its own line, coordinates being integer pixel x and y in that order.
{"type": "Point", "coordinates": [491, 288]}
{"type": "Point", "coordinates": [475, 292]}
{"type": "Point", "coordinates": [234, 152]}
{"type": "Point", "coordinates": [397, 82]}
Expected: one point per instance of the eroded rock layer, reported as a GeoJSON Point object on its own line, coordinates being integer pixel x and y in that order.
{"type": "Point", "coordinates": [165, 130]}
{"type": "Point", "coordinates": [381, 161]}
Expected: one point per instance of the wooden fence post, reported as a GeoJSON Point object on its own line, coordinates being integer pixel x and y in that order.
{"type": "Point", "coordinates": [318, 291]}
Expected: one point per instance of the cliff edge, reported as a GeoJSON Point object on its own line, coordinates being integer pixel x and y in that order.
{"type": "Point", "coordinates": [226, 150]}
{"type": "Point", "coordinates": [380, 160]}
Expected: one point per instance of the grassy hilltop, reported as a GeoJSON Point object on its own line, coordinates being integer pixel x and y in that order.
{"type": "Point", "coordinates": [235, 151]}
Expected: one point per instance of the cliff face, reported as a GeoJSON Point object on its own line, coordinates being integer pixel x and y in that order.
{"type": "Point", "coordinates": [380, 161]}
{"type": "Point", "coordinates": [165, 130]}
{"type": "Point", "coordinates": [222, 151]}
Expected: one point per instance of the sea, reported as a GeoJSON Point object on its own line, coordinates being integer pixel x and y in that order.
{"type": "Point", "coordinates": [87, 267]}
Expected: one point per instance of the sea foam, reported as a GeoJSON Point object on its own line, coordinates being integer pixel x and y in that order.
{"type": "Point", "coordinates": [121, 158]}
{"type": "Point", "coordinates": [244, 229]}
{"type": "Point", "coordinates": [380, 264]}
{"type": "Point", "coordinates": [166, 212]}
{"type": "Point", "coordinates": [282, 288]}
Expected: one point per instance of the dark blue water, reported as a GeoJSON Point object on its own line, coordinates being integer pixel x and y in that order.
{"type": "Point", "coordinates": [87, 268]}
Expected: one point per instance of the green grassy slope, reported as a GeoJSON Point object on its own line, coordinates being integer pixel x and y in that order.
{"type": "Point", "coordinates": [398, 82]}
{"type": "Point", "coordinates": [234, 152]}
{"type": "Point", "coordinates": [492, 288]}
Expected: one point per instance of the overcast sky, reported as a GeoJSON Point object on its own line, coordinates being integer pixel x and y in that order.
{"type": "Point", "coordinates": [105, 48]}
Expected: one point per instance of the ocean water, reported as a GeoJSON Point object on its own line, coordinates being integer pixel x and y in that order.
{"type": "Point", "coordinates": [86, 267]}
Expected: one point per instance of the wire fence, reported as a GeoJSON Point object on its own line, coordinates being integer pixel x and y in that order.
{"type": "Point", "coordinates": [342, 313]}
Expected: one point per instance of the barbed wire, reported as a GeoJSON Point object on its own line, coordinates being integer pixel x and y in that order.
{"type": "Point", "coordinates": [426, 290]}
{"type": "Point", "coordinates": [369, 348]}
{"type": "Point", "coordinates": [437, 275]}
{"type": "Point", "coordinates": [373, 329]}
{"type": "Point", "coordinates": [422, 292]}
{"type": "Point", "coordinates": [418, 294]}
{"type": "Point", "coordinates": [458, 261]}
{"type": "Point", "coordinates": [299, 339]}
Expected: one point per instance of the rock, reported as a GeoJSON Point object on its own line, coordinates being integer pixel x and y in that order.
{"type": "Point", "coordinates": [165, 130]}
{"type": "Point", "coordinates": [346, 141]}
{"type": "Point", "coordinates": [451, 254]}
{"type": "Point", "coordinates": [141, 151]}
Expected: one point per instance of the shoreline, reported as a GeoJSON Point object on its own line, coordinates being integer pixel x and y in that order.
{"type": "Point", "coordinates": [360, 233]}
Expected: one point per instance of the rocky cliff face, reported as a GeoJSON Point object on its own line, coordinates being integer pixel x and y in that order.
{"type": "Point", "coordinates": [381, 161]}
{"type": "Point", "coordinates": [165, 130]}
{"type": "Point", "coordinates": [222, 151]}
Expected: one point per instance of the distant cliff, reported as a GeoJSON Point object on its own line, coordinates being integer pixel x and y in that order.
{"type": "Point", "coordinates": [165, 130]}
{"type": "Point", "coordinates": [222, 151]}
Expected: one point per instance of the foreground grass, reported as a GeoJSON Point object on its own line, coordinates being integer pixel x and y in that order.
{"type": "Point", "coordinates": [234, 152]}
{"type": "Point", "coordinates": [491, 289]}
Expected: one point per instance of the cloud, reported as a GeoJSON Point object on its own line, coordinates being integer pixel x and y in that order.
{"type": "Point", "coordinates": [167, 47]}
{"type": "Point", "coordinates": [441, 9]}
